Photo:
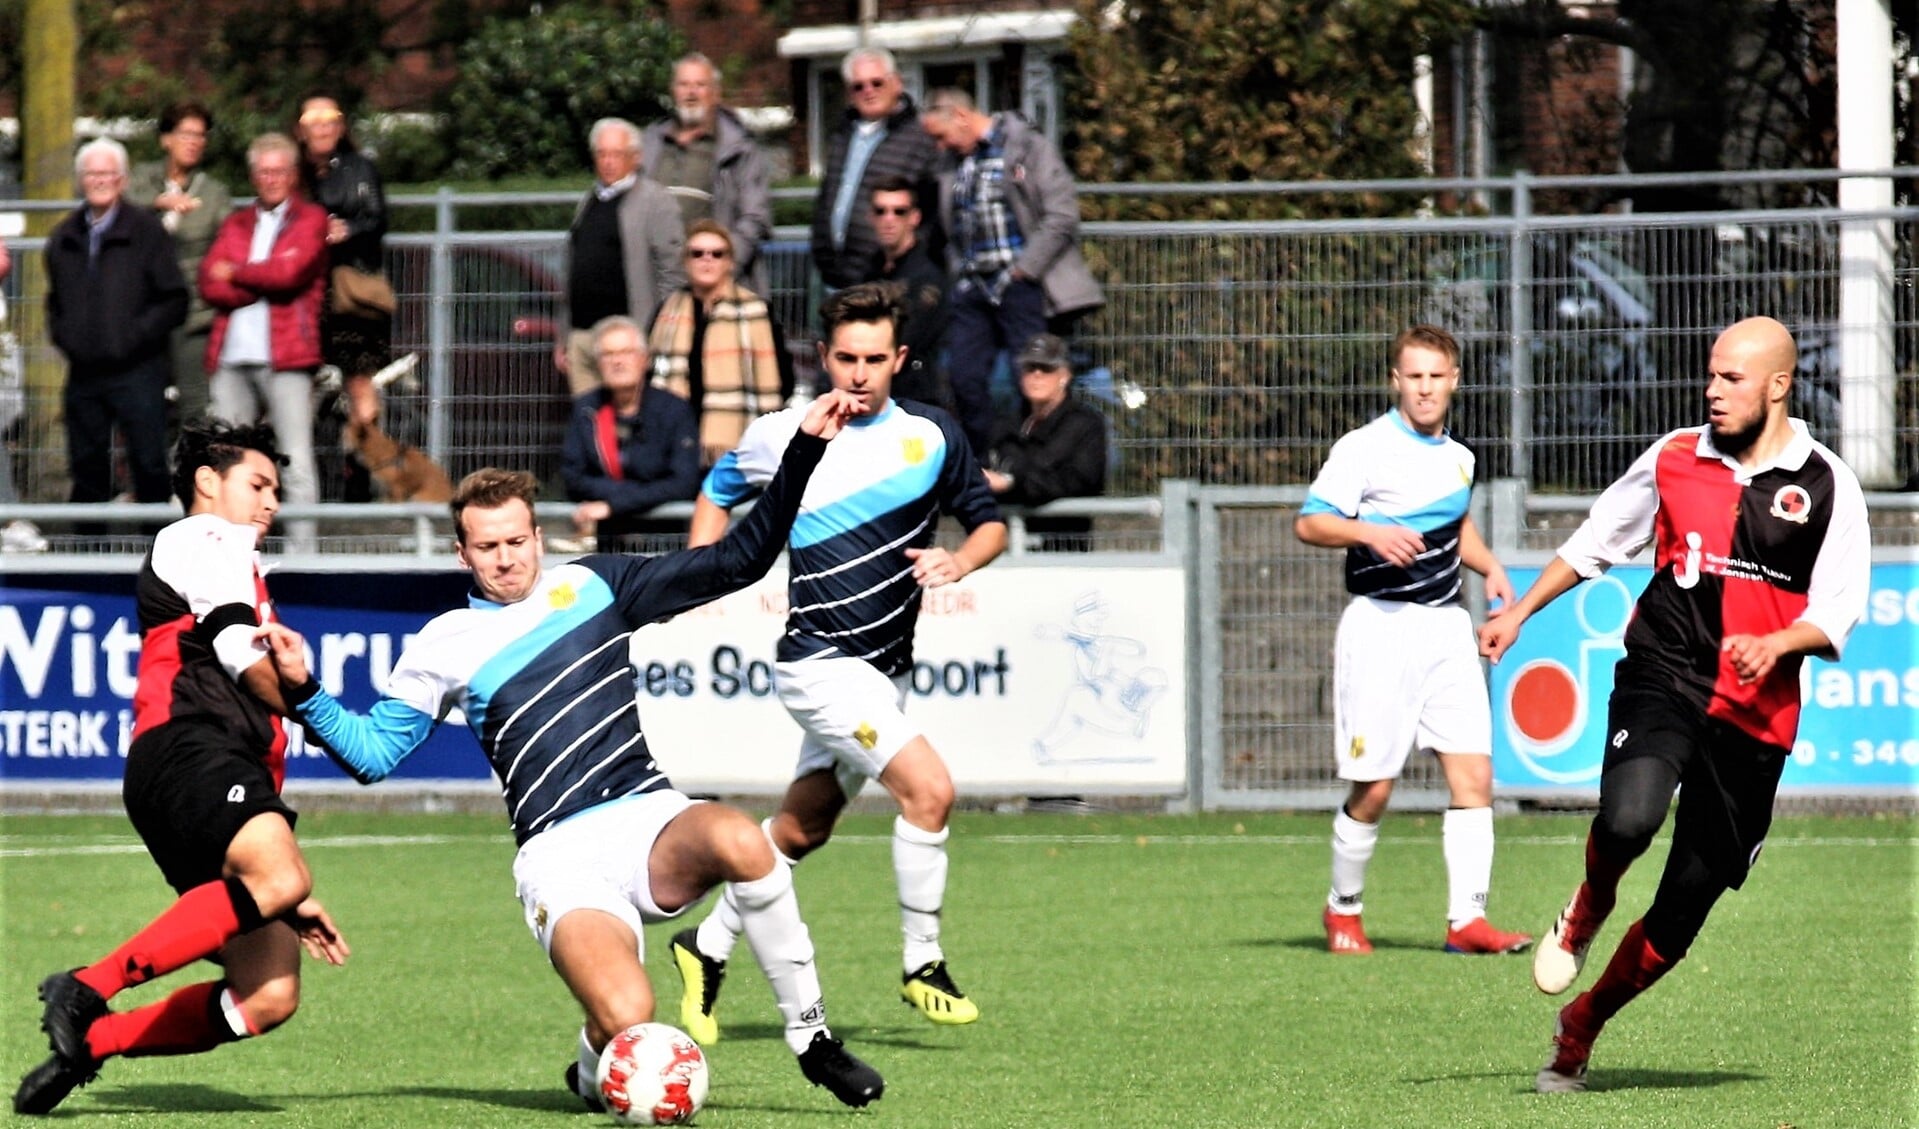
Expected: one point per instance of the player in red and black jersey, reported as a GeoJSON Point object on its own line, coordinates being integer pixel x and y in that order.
{"type": "Point", "coordinates": [202, 788]}
{"type": "Point", "coordinates": [1762, 556]}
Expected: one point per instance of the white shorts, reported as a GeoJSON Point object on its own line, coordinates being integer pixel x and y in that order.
{"type": "Point", "coordinates": [1405, 677]}
{"type": "Point", "coordinates": [854, 717]}
{"type": "Point", "coordinates": [597, 860]}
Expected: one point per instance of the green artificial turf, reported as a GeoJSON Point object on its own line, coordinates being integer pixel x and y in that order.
{"type": "Point", "coordinates": [1131, 970]}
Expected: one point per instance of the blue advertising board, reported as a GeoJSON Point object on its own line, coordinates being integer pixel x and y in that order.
{"type": "Point", "coordinates": [70, 646]}
{"type": "Point", "coordinates": [1859, 728]}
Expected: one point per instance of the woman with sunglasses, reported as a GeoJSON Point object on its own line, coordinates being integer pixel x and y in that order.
{"type": "Point", "coordinates": [715, 345]}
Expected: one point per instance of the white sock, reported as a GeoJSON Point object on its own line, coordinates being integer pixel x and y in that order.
{"type": "Point", "coordinates": [721, 930]}
{"type": "Point", "coordinates": [589, 1068]}
{"type": "Point", "coordinates": [1353, 844]}
{"type": "Point", "coordinates": [1466, 835]}
{"type": "Point", "coordinates": [780, 942]}
{"type": "Point", "coordinates": [919, 863]}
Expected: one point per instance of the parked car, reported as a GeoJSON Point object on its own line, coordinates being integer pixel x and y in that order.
{"type": "Point", "coordinates": [1593, 372]}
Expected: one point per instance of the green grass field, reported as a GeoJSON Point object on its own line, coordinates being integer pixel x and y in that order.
{"type": "Point", "coordinates": [1132, 970]}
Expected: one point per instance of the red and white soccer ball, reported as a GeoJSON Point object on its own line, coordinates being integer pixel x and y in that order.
{"type": "Point", "coordinates": [652, 1074]}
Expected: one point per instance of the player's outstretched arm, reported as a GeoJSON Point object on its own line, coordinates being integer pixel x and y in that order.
{"type": "Point", "coordinates": [1502, 625]}
{"type": "Point", "coordinates": [367, 746]}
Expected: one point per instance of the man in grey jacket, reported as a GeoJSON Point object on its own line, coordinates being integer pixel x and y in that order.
{"type": "Point", "coordinates": [191, 205]}
{"type": "Point", "coordinates": [622, 252]}
{"type": "Point", "coordinates": [1011, 215]}
{"type": "Point", "coordinates": [705, 157]}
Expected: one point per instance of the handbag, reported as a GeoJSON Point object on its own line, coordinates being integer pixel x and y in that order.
{"type": "Point", "coordinates": [361, 293]}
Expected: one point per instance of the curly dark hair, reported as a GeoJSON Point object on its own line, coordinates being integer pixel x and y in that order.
{"type": "Point", "coordinates": [215, 443]}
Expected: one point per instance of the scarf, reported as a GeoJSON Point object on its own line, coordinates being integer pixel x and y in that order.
{"type": "Point", "coordinates": [739, 373]}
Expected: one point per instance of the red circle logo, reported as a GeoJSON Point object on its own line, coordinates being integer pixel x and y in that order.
{"type": "Point", "coordinates": [1544, 702]}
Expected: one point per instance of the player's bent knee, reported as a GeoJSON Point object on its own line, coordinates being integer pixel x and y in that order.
{"type": "Point", "coordinates": [742, 850]}
{"type": "Point", "coordinates": [271, 1004]}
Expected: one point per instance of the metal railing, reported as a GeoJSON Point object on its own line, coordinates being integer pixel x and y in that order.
{"type": "Point", "coordinates": [1236, 352]}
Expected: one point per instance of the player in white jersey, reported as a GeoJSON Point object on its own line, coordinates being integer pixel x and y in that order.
{"type": "Point", "coordinates": [859, 556]}
{"type": "Point", "coordinates": [1394, 494]}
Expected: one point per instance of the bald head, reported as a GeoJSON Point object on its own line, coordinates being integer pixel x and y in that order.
{"type": "Point", "coordinates": [1763, 343]}
{"type": "Point", "coordinates": [1749, 387]}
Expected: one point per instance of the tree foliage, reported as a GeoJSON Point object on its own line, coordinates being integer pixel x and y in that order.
{"type": "Point", "coordinates": [1235, 90]}
{"type": "Point", "coordinates": [530, 88]}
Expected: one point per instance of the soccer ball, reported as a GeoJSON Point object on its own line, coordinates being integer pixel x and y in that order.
{"type": "Point", "coordinates": [652, 1074]}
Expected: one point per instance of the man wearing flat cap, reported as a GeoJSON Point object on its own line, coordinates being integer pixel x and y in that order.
{"type": "Point", "coordinates": [1056, 449]}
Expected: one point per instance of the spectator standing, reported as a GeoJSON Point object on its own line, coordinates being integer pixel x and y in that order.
{"type": "Point", "coordinates": [114, 297]}
{"type": "Point", "coordinates": [1057, 449]}
{"type": "Point", "coordinates": [356, 325]}
{"type": "Point", "coordinates": [628, 448]}
{"type": "Point", "coordinates": [880, 138]}
{"type": "Point", "coordinates": [1011, 213]}
{"type": "Point", "coordinates": [1394, 494]}
{"type": "Point", "coordinates": [191, 204]}
{"type": "Point", "coordinates": [707, 159]}
{"type": "Point", "coordinates": [716, 346]}
{"type": "Point", "coordinates": [17, 536]}
{"type": "Point", "coordinates": [904, 260]}
{"type": "Point", "coordinates": [265, 277]}
{"type": "Point", "coordinates": [622, 251]}
{"type": "Point", "coordinates": [1762, 556]}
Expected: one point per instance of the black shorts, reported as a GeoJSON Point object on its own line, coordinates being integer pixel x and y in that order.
{"type": "Point", "coordinates": [1727, 777]}
{"type": "Point", "coordinates": [189, 789]}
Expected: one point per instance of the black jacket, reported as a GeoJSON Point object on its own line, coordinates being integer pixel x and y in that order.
{"type": "Point", "coordinates": [924, 331]}
{"type": "Point", "coordinates": [907, 150]}
{"type": "Point", "coordinates": [1064, 456]}
{"type": "Point", "coordinates": [659, 455]}
{"type": "Point", "coordinates": [121, 312]}
{"type": "Point", "coordinates": [351, 190]}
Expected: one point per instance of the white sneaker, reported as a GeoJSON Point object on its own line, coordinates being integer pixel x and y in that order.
{"type": "Point", "coordinates": [1557, 961]}
{"type": "Point", "coordinates": [22, 537]}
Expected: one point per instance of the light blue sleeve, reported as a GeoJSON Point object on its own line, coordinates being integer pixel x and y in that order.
{"type": "Point", "coordinates": [368, 746]}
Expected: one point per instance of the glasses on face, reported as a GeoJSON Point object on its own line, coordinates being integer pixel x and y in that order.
{"type": "Point", "coordinates": [1049, 369]}
{"type": "Point", "coordinates": [861, 86]}
{"type": "Point", "coordinates": [879, 210]}
{"type": "Point", "coordinates": [707, 252]}
{"type": "Point", "coordinates": [190, 134]}
{"type": "Point", "coordinates": [100, 174]}
{"type": "Point", "coordinates": [320, 117]}
{"type": "Point", "coordinates": [272, 172]}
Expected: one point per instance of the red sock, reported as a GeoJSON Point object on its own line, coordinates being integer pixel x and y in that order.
{"type": "Point", "coordinates": [1635, 967]}
{"type": "Point", "coordinates": [1602, 879]}
{"type": "Point", "coordinates": [187, 1022]}
{"type": "Point", "coordinates": [195, 926]}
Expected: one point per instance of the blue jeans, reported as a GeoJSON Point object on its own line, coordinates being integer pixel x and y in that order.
{"type": "Point", "coordinates": [974, 337]}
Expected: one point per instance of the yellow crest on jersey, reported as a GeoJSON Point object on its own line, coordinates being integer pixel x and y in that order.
{"type": "Point", "coordinates": [914, 449]}
{"type": "Point", "coordinates": [1357, 749]}
{"type": "Point", "coordinates": [866, 735]}
{"type": "Point", "coordinates": [561, 597]}
{"type": "Point", "coordinates": [1465, 476]}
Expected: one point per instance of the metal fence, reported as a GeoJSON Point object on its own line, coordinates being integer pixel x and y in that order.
{"type": "Point", "coordinates": [1227, 353]}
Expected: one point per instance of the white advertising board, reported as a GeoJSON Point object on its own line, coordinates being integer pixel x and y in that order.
{"type": "Point", "coordinates": [1027, 680]}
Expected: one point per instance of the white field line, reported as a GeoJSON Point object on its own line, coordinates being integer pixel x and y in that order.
{"type": "Point", "coordinates": [20, 846]}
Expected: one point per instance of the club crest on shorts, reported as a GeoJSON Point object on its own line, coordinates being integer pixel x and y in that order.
{"type": "Point", "coordinates": [866, 735]}
{"type": "Point", "coordinates": [539, 918]}
{"type": "Point", "coordinates": [1357, 748]}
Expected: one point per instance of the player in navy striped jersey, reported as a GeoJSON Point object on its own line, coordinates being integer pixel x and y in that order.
{"type": "Point", "coordinates": [1394, 495]}
{"type": "Point", "coordinates": [540, 664]}
{"type": "Point", "coordinates": [202, 788]}
{"type": "Point", "coordinates": [860, 554]}
{"type": "Point", "coordinates": [1762, 556]}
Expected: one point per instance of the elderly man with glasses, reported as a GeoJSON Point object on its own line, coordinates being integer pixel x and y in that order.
{"type": "Point", "coordinates": [114, 296]}
{"type": "Point", "coordinates": [880, 137]}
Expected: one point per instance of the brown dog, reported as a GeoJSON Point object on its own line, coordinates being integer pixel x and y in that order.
{"type": "Point", "coordinates": [404, 472]}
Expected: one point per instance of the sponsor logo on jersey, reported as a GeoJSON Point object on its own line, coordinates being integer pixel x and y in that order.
{"type": "Point", "coordinates": [1792, 504]}
{"type": "Point", "coordinates": [1685, 573]}
{"type": "Point", "coordinates": [866, 735]}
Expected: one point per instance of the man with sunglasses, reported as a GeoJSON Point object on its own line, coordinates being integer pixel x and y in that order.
{"type": "Point", "coordinates": [881, 137]}
{"type": "Point", "coordinates": [903, 259]}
